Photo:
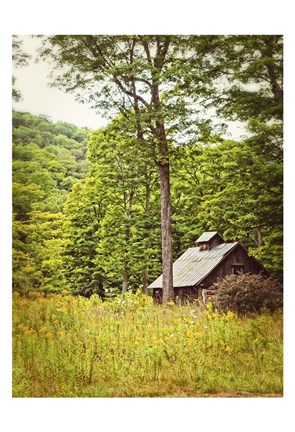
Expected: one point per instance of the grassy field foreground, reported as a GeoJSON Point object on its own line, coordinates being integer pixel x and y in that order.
{"type": "Point", "coordinates": [66, 346]}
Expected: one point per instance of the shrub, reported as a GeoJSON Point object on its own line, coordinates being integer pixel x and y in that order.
{"type": "Point", "coordinates": [246, 293]}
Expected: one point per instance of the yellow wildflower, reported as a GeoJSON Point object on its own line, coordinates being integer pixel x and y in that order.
{"type": "Point", "coordinates": [48, 335]}
{"type": "Point", "coordinates": [23, 328]}
{"type": "Point", "coordinates": [30, 331]}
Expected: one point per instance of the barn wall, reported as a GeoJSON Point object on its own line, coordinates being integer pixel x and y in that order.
{"type": "Point", "coordinates": [186, 294]}
{"type": "Point", "coordinates": [226, 267]}
{"type": "Point", "coordinates": [183, 294]}
{"type": "Point", "coordinates": [215, 241]}
{"type": "Point", "coordinates": [157, 295]}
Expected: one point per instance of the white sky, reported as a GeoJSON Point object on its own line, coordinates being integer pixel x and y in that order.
{"type": "Point", "coordinates": [38, 98]}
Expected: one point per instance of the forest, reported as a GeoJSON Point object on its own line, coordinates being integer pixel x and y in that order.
{"type": "Point", "coordinates": [97, 213]}
{"type": "Point", "coordinates": [86, 207]}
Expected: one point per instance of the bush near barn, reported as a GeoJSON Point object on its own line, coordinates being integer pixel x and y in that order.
{"type": "Point", "coordinates": [247, 293]}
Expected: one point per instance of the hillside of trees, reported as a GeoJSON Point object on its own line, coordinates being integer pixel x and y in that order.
{"type": "Point", "coordinates": [48, 159]}
{"type": "Point", "coordinates": [86, 205]}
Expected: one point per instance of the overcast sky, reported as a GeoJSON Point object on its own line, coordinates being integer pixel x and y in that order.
{"type": "Point", "coordinates": [38, 98]}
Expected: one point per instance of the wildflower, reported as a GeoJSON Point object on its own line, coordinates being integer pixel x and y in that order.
{"type": "Point", "coordinates": [228, 349]}
{"type": "Point", "coordinates": [23, 328]}
{"type": "Point", "coordinates": [48, 335]}
{"type": "Point", "coordinates": [30, 332]}
{"type": "Point", "coordinates": [60, 333]}
{"type": "Point", "coordinates": [230, 314]}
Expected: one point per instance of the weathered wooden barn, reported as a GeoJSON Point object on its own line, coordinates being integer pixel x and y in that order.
{"type": "Point", "coordinates": [195, 271]}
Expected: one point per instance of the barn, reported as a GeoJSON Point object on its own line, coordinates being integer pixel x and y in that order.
{"type": "Point", "coordinates": [195, 271]}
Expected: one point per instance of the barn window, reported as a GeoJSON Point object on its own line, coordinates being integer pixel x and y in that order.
{"type": "Point", "coordinates": [237, 268]}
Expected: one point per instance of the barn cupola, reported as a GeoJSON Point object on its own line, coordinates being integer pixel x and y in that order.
{"type": "Point", "coordinates": [208, 240]}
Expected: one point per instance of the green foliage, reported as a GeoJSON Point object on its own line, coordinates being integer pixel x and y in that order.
{"type": "Point", "coordinates": [111, 228]}
{"type": "Point", "coordinates": [246, 293]}
{"type": "Point", "coordinates": [43, 173]}
{"type": "Point", "coordinates": [98, 226]}
{"type": "Point", "coordinates": [243, 197]}
{"type": "Point", "coordinates": [128, 247]}
{"type": "Point", "coordinates": [254, 65]}
{"type": "Point", "coordinates": [145, 78]}
{"type": "Point", "coordinates": [234, 187]}
{"type": "Point", "coordinates": [65, 346]}
{"type": "Point", "coordinates": [83, 211]}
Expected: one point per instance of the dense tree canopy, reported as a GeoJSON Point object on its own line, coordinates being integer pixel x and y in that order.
{"type": "Point", "coordinates": [45, 166]}
{"type": "Point", "coordinates": [92, 221]}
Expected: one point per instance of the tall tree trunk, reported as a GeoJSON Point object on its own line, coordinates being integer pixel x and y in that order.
{"type": "Point", "coordinates": [125, 280]}
{"type": "Point", "coordinates": [162, 161]}
{"type": "Point", "coordinates": [145, 280]}
{"type": "Point", "coordinates": [161, 152]}
{"type": "Point", "coordinates": [128, 205]}
{"type": "Point", "coordinates": [259, 237]}
{"type": "Point", "coordinates": [167, 259]}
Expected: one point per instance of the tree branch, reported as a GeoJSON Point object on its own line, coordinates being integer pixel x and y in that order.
{"type": "Point", "coordinates": [128, 92]}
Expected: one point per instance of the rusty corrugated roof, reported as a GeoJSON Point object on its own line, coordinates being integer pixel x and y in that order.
{"type": "Point", "coordinates": [194, 265]}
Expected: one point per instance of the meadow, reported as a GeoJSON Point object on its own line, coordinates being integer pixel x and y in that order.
{"type": "Point", "coordinates": [66, 346]}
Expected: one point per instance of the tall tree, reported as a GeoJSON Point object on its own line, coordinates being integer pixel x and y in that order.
{"type": "Point", "coordinates": [148, 76]}
{"type": "Point", "coordinates": [83, 211]}
{"type": "Point", "coordinates": [128, 176]}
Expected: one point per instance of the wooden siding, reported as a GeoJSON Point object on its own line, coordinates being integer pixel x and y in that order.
{"type": "Point", "coordinates": [238, 257]}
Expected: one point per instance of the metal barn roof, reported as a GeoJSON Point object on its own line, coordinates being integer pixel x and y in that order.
{"type": "Point", "coordinates": [206, 236]}
{"type": "Point", "coordinates": [194, 265]}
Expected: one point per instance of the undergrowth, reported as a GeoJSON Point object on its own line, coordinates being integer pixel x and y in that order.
{"type": "Point", "coordinates": [65, 346]}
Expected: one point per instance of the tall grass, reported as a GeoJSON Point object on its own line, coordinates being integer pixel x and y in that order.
{"type": "Point", "coordinates": [66, 346]}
